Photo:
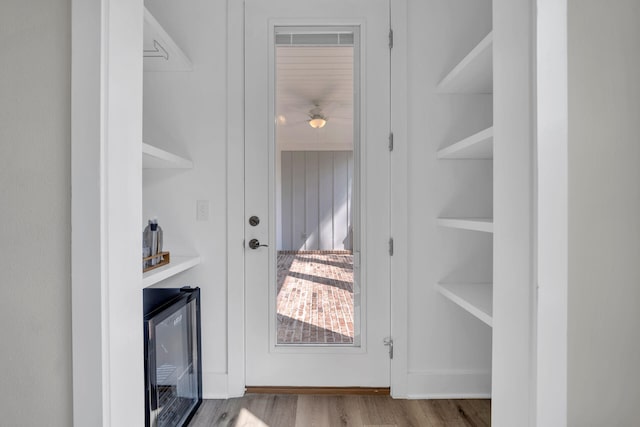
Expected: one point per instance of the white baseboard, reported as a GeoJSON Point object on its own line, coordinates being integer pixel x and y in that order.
{"type": "Point", "coordinates": [215, 385]}
{"type": "Point", "coordinates": [458, 384]}
{"type": "Point", "coordinates": [451, 384]}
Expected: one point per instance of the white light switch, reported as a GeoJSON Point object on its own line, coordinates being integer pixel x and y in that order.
{"type": "Point", "coordinates": [202, 210]}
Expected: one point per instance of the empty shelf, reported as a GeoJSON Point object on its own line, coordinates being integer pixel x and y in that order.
{"type": "Point", "coordinates": [476, 298]}
{"type": "Point", "coordinates": [177, 265]}
{"type": "Point", "coordinates": [474, 224]}
{"type": "Point", "coordinates": [474, 74]}
{"type": "Point", "coordinates": [160, 52]}
{"type": "Point", "coordinates": [156, 158]}
{"type": "Point", "coordinates": [477, 146]}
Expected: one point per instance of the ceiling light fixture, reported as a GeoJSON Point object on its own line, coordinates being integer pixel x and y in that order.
{"type": "Point", "coordinates": [317, 121]}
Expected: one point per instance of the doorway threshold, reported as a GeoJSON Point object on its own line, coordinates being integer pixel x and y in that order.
{"type": "Point", "coordinates": [361, 391]}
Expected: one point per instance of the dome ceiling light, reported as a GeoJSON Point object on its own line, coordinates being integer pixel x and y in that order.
{"type": "Point", "coordinates": [317, 120]}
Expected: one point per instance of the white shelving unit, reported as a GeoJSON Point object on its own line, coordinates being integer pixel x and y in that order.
{"type": "Point", "coordinates": [473, 224]}
{"type": "Point", "coordinates": [177, 265]}
{"type": "Point", "coordinates": [156, 158]}
{"type": "Point", "coordinates": [474, 74]}
{"type": "Point", "coordinates": [161, 53]}
{"type": "Point", "coordinates": [477, 146]}
{"type": "Point", "coordinates": [476, 298]}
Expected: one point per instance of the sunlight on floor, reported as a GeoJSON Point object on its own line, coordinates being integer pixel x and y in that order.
{"type": "Point", "coordinates": [247, 419]}
{"type": "Point", "coordinates": [315, 298]}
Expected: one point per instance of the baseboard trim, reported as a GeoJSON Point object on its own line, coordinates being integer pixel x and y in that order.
{"type": "Point", "coordinates": [450, 384]}
{"type": "Point", "coordinates": [458, 384]}
{"type": "Point", "coordinates": [362, 391]}
{"type": "Point", "coordinates": [215, 385]}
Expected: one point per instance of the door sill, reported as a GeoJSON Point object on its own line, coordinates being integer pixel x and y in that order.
{"type": "Point", "coordinates": [363, 391]}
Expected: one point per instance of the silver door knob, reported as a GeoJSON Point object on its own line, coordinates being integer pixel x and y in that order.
{"type": "Point", "coordinates": [255, 244]}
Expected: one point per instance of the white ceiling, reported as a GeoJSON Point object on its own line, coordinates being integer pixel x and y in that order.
{"type": "Point", "coordinates": [308, 75]}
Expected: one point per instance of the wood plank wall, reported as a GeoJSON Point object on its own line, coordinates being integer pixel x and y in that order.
{"type": "Point", "coordinates": [316, 200]}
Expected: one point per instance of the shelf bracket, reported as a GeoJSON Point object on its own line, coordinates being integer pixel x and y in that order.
{"type": "Point", "coordinates": [157, 52]}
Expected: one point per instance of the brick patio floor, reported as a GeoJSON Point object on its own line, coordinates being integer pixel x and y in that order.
{"type": "Point", "coordinates": [315, 298]}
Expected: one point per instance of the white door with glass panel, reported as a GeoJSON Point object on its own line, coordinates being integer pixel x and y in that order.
{"type": "Point", "coordinates": [317, 269]}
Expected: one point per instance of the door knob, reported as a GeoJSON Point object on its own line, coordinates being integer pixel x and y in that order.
{"type": "Point", "coordinates": [255, 244]}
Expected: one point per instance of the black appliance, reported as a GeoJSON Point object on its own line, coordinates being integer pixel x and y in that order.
{"type": "Point", "coordinates": [172, 355]}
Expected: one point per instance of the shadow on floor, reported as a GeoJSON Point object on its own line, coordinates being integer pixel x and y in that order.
{"type": "Point", "coordinates": [293, 331]}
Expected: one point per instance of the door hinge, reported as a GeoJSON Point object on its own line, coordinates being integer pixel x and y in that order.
{"type": "Point", "coordinates": [389, 343]}
{"type": "Point", "coordinates": [390, 38]}
{"type": "Point", "coordinates": [391, 246]}
{"type": "Point", "coordinates": [390, 141]}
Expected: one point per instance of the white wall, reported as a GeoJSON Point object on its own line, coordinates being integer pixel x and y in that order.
{"type": "Point", "coordinates": [185, 112]}
{"type": "Point", "coordinates": [449, 350]}
{"type": "Point", "coordinates": [604, 213]}
{"type": "Point", "coordinates": [35, 247]}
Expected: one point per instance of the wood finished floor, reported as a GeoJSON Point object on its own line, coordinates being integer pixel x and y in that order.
{"type": "Point", "coordinates": [289, 410]}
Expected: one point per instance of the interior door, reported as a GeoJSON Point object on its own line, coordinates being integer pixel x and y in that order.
{"type": "Point", "coordinates": [365, 362]}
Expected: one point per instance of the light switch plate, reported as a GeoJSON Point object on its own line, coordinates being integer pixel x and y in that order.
{"type": "Point", "coordinates": [202, 210]}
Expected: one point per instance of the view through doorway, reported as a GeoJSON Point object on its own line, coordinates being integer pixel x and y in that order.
{"type": "Point", "coordinates": [316, 180]}
{"type": "Point", "coordinates": [315, 76]}
{"type": "Point", "coordinates": [315, 297]}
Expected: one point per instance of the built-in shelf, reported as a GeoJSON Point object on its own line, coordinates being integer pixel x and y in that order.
{"type": "Point", "coordinates": [474, 224]}
{"type": "Point", "coordinates": [156, 158]}
{"type": "Point", "coordinates": [477, 146]}
{"type": "Point", "coordinates": [177, 265]}
{"type": "Point", "coordinates": [161, 53]}
{"type": "Point", "coordinates": [476, 298]}
{"type": "Point", "coordinates": [474, 74]}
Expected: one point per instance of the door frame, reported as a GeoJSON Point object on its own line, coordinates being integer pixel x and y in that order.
{"type": "Point", "coordinates": [235, 200]}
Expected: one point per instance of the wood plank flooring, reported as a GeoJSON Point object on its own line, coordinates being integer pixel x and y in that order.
{"type": "Point", "coordinates": [289, 410]}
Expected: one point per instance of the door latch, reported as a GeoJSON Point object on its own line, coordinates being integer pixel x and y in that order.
{"type": "Point", "coordinates": [389, 343]}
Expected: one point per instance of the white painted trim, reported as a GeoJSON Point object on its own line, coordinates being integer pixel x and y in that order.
{"type": "Point", "coordinates": [449, 384]}
{"type": "Point", "coordinates": [123, 215]}
{"type": "Point", "coordinates": [315, 147]}
{"type": "Point", "coordinates": [90, 381]}
{"type": "Point", "coordinates": [235, 199]}
{"type": "Point", "coordinates": [215, 385]}
{"type": "Point", "coordinates": [553, 141]}
{"type": "Point", "coordinates": [513, 355]}
{"type": "Point", "coordinates": [106, 239]}
{"type": "Point", "coordinates": [399, 297]}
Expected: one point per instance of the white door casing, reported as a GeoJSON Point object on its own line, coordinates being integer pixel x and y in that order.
{"type": "Point", "coordinates": [366, 364]}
